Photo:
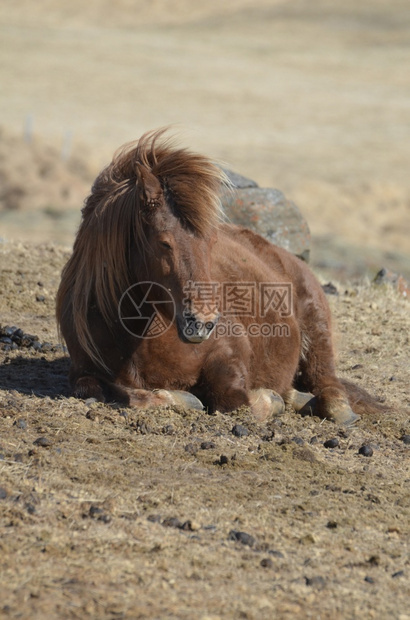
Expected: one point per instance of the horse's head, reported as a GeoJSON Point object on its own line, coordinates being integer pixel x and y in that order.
{"type": "Point", "coordinates": [150, 218]}
{"type": "Point", "coordinates": [178, 253]}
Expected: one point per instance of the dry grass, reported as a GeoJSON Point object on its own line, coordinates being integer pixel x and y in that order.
{"type": "Point", "coordinates": [307, 97]}
{"type": "Point", "coordinates": [310, 97]}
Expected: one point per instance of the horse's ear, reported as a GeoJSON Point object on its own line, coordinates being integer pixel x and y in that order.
{"type": "Point", "coordinates": [149, 187]}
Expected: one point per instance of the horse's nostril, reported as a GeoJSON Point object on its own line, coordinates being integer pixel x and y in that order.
{"type": "Point", "coordinates": [211, 320]}
{"type": "Point", "coordinates": [209, 325]}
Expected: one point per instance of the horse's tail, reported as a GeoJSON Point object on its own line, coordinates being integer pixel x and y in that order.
{"type": "Point", "coordinates": [361, 401]}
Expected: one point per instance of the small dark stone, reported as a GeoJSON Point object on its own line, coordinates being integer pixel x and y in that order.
{"type": "Point", "coordinates": [223, 459]}
{"type": "Point", "coordinates": [6, 340]}
{"type": "Point", "coordinates": [366, 451]}
{"type": "Point", "coordinates": [37, 346]}
{"type": "Point", "coordinates": [332, 525]}
{"type": "Point", "coordinates": [240, 431]}
{"type": "Point", "coordinates": [98, 513]}
{"type": "Point", "coordinates": [8, 331]}
{"type": "Point", "coordinates": [369, 579]}
{"type": "Point", "coordinates": [370, 497]}
{"type": "Point", "coordinates": [316, 582]}
{"type": "Point", "coordinates": [187, 526]}
{"type": "Point", "coordinates": [266, 563]}
{"type": "Point", "coordinates": [374, 560]}
{"type": "Point", "coordinates": [208, 445]}
{"type": "Point", "coordinates": [399, 573]}
{"type": "Point", "coordinates": [31, 337]}
{"type": "Point", "coordinates": [331, 443]}
{"type": "Point", "coordinates": [20, 423]}
{"type": "Point", "coordinates": [343, 432]}
{"type": "Point", "coordinates": [298, 440]}
{"type": "Point", "coordinates": [406, 439]}
{"type": "Point", "coordinates": [168, 430]}
{"type": "Point", "coordinates": [211, 528]}
{"type": "Point", "coordinates": [242, 537]}
{"type": "Point", "coordinates": [313, 439]}
{"type": "Point", "coordinates": [277, 554]}
{"type": "Point", "coordinates": [143, 428]}
{"type": "Point", "coordinates": [191, 448]}
{"type": "Point", "coordinates": [105, 518]}
{"type": "Point", "coordinates": [154, 518]}
{"type": "Point", "coordinates": [330, 289]}
{"type": "Point", "coordinates": [3, 493]}
{"type": "Point", "coordinates": [31, 509]}
{"type": "Point", "coordinates": [95, 511]}
{"type": "Point", "coordinates": [40, 298]}
{"type": "Point", "coordinates": [18, 457]}
{"type": "Point", "coordinates": [44, 442]}
{"type": "Point", "coordinates": [18, 333]}
{"type": "Point", "coordinates": [172, 522]}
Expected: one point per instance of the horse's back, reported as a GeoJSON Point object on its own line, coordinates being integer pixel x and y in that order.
{"type": "Point", "coordinates": [282, 263]}
{"type": "Point", "coordinates": [271, 263]}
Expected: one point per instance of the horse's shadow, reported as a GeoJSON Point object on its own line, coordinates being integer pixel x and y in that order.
{"type": "Point", "coordinates": [37, 377]}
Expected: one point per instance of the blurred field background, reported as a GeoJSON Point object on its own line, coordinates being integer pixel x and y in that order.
{"type": "Point", "coordinates": [309, 96]}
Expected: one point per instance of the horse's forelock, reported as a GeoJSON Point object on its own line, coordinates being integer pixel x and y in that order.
{"type": "Point", "coordinates": [191, 182]}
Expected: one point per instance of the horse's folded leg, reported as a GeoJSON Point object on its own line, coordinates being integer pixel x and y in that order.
{"type": "Point", "coordinates": [331, 403]}
{"type": "Point", "coordinates": [297, 399]}
{"type": "Point", "coordinates": [146, 399]}
{"type": "Point", "coordinates": [266, 404]}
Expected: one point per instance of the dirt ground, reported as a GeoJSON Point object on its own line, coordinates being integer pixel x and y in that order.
{"type": "Point", "coordinates": [121, 514]}
{"type": "Point", "coordinates": [117, 513]}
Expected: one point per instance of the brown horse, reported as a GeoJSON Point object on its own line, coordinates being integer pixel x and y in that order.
{"type": "Point", "coordinates": [162, 302]}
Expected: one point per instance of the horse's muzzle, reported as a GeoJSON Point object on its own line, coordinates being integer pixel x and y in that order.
{"type": "Point", "coordinates": [194, 329]}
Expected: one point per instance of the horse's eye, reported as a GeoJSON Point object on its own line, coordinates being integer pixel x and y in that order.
{"type": "Point", "coordinates": [165, 245]}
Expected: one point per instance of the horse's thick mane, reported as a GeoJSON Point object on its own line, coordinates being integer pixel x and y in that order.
{"type": "Point", "coordinates": [98, 271]}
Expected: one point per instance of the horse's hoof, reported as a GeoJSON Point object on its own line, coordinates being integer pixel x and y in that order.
{"type": "Point", "coordinates": [297, 399]}
{"type": "Point", "coordinates": [179, 398]}
{"type": "Point", "coordinates": [341, 413]}
{"type": "Point", "coordinates": [338, 411]}
{"type": "Point", "coordinates": [266, 404]}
